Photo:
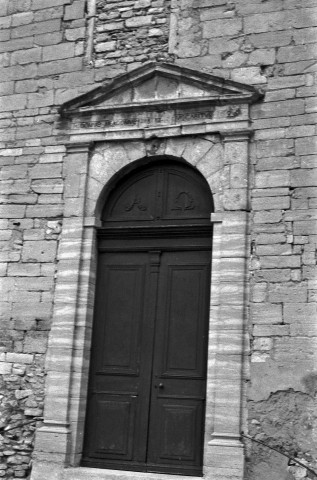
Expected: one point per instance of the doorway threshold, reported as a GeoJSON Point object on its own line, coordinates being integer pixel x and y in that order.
{"type": "Point", "coordinates": [86, 473]}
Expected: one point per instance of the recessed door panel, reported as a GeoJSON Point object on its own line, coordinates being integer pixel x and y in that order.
{"type": "Point", "coordinates": [185, 289]}
{"type": "Point", "coordinates": [122, 317]}
{"type": "Point", "coordinates": [177, 436]}
{"type": "Point", "coordinates": [114, 437]}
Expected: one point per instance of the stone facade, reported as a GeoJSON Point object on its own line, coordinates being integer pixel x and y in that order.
{"type": "Point", "coordinates": [53, 51]}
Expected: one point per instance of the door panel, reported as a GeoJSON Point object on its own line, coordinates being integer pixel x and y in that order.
{"type": "Point", "coordinates": [183, 294]}
{"type": "Point", "coordinates": [179, 365]}
{"type": "Point", "coordinates": [120, 372]}
{"type": "Point", "coordinates": [148, 381]}
{"type": "Point", "coordinates": [114, 437]}
{"type": "Point", "coordinates": [121, 318]}
{"type": "Point", "coordinates": [178, 431]}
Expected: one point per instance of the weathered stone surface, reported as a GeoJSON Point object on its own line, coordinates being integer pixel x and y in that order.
{"type": "Point", "coordinates": [270, 43]}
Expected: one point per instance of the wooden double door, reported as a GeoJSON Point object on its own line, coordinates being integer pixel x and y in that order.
{"type": "Point", "coordinates": [147, 389]}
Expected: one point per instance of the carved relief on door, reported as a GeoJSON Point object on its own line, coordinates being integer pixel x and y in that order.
{"type": "Point", "coordinates": [164, 194]}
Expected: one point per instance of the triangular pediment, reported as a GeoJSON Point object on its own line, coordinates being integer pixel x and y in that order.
{"type": "Point", "coordinates": [159, 83]}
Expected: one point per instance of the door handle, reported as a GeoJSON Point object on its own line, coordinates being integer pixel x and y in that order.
{"type": "Point", "coordinates": [160, 385]}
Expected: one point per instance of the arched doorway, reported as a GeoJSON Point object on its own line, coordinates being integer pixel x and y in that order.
{"type": "Point", "coordinates": [147, 388]}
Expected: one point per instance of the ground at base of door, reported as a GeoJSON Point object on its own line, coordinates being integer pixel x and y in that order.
{"type": "Point", "coordinates": [101, 474]}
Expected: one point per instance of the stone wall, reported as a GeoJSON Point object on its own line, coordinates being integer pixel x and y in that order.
{"type": "Point", "coordinates": [131, 32]}
{"type": "Point", "coordinates": [270, 44]}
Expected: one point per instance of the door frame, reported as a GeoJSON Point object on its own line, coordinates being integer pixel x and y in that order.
{"type": "Point", "coordinates": [59, 440]}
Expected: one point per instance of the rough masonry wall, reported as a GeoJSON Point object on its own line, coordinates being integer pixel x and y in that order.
{"type": "Point", "coordinates": [270, 44]}
{"type": "Point", "coordinates": [41, 45]}
{"type": "Point", "coordinates": [131, 32]}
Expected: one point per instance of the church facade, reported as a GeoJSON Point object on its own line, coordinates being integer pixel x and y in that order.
{"type": "Point", "coordinates": [158, 239]}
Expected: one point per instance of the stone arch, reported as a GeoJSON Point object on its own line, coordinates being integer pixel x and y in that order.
{"type": "Point", "coordinates": [109, 161]}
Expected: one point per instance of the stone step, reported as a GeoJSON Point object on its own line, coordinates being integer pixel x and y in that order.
{"type": "Point", "coordinates": [85, 473]}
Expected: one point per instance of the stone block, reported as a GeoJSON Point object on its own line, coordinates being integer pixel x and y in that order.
{"type": "Point", "coordinates": [44, 171]}
{"type": "Point", "coordinates": [248, 75]}
{"type": "Point", "coordinates": [278, 109]}
{"type": "Point", "coordinates": [276, 249]}
{"type": "Point", "coordinates": [238, 176]}
{"type": "Point", "coordinates": [23, 358]}
{"type": "Point", "coordinates": [5, 368]}
{"type": "Point", "coordinates": [16, 44]}
{"type": "Point", "coordinates": [278, 163]}
{"type": "Point", "coordinates": [39, 251]}
{"type": "Point", "coordinates": [266, 313]}
{"type": "Point", "coordinates": [44, 211]}
{"type": "Point", "coordinates": [13, 102]}
{"type": "Point", "coordinates": [295, 53]}
{"type": "Point", "coordinates": [26, 56]}
{"type": "Point", "coordinates": [36, 28]}
{"type": "Point", "coordinates": [270, 238]}
{"type": "Point", "coordinates": [12, 171]}
{"type": "Point", "coordinates": [24, 269]}
{"type": "Point", "coordinates": [56, 52]}
{"type": "Point", "coordinates": [41, 4]}
{"type": "Point", "coordinates": [277, 178]}
{"type": "Point", "coordinates": [235, 199]}
{"type": "Point", "coordinates": [305, 227]}
{"type": "Point", "coordinates": [35, 342]}
{"type": "Point", "coordinates": [73, 34]}
{"type": "Point", "coordinates": [286, 261]}
{"type": "Point", "coordinates": [271, 203]}
{"type": "Point", "coordinates": [47, 186]}
{"type": "Point", "coordinates": [274, 216]}
{"type": "Point", "coordinates": [48, 14]}
{"type": "Point", "coordinates": [222, 27]}
{"type": "Point", "coordinates": [33, 412]}
{"type": "Point", "coordinates": [288, 292]}
{"type": "Point", "coordinates": [139, 21]}
{"type": "Point", "coordinates": [48, 39]}
{"type": "Point", "coordinates": [263, 344]}
{"type": "Point", "coordinates": [12, 211]}
{"type": "Point", "coordinates": [60, 66]}
{"type": "Point", "coordinates": [262, 57]}
{"type": "Point", "coordinates": [236, 152]}
{"type": "Point", "coordinates": [27, 315]}
{"type": "Point", "coordinates": [271, 330]}
{"type": "Point", "coordinates": [186, 47]}
{"type": "Point", "coordinates": [303, 314]}
{"type": "Point", "coordinates": [275, 148]}
{"type": "Point", "coordinates": [109, 27]}
{"type": "Point", "coordinates": [304, 178]}
{"type": "Point", "coordinates": [106, 46]}
{"type": "Point", "coordinates": [74, 11]}
{"type": "Point", "coordinates": [274, 275]}
{"type": "Point", "coordinates": [43, 99]}
{"type": "Point", "coordinates": [301, 214]}
{"type": "Point", "coordinates": [20, 394]}
{"type": "Point", "coordinates": [38, 284]}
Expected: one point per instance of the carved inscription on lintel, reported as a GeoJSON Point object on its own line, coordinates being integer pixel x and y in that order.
{"type": "Point", "coordinates": [146, 119]}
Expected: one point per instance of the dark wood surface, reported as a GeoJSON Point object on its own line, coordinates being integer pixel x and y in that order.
{"type": "Point", "coordinates": [147, 387]}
